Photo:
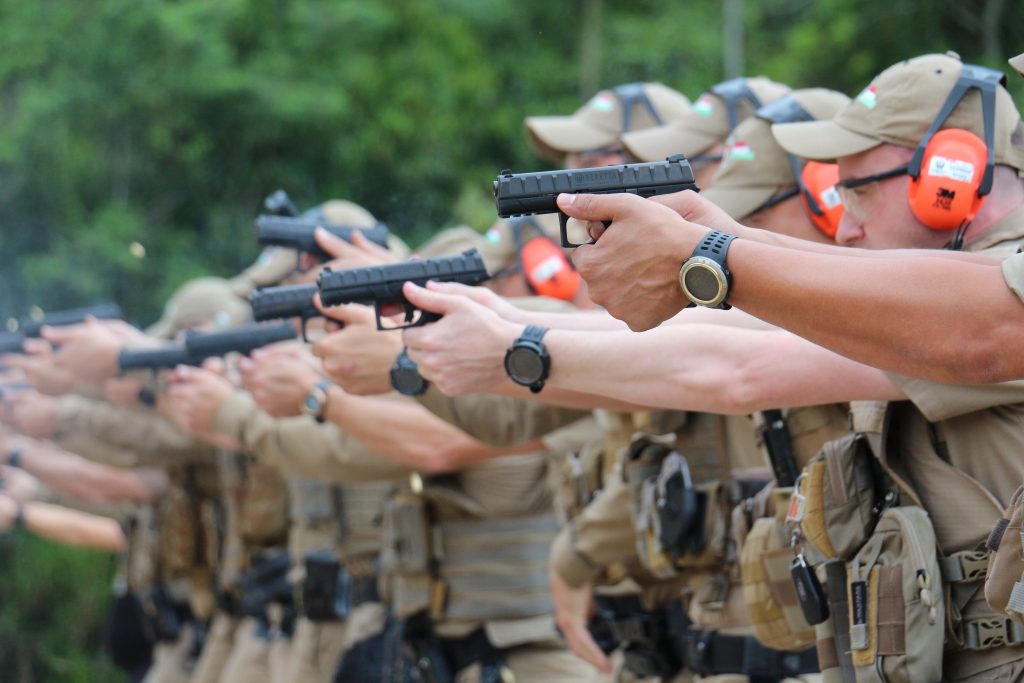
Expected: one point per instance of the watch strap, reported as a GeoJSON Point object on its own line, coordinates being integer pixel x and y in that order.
{"type": "Point", "coordinates": [323, 385]}
{"type": "Point", "coordinates": [14, 458]}
{"type": "Point", "coordinates": [715, 246]}
{"type": "Point", "coordinates": [533, 333]}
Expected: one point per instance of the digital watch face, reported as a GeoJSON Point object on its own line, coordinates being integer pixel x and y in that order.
{"type": "Point", "coordinates": [524, 365]}
{"type": "Point", "coordinates": [408, 381]}
{"type": "Point", "coordinates": [703, 281]}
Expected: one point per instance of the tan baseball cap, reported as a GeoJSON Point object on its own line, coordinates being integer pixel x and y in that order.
{"type": "Point", "coordinates": [199, 301]}
{"type": "Point", "coordinates": [708, 121]}
{"type": "Point", "coordinates": [1018, 63]}
{"type": "Point", "coordinates": [602, 120]}
{"type": "Point", "coordinates": [272, 266]}
{"type": "Point", "coordinates": [754, 168]}
{"type": "Point", "coordinates": [497, 248]}
{"type": "Point", "coordinates": [275, 264]}
{"type": "Point", "coordinates": [898, 107]}
{"type": "Point", "coordinates": [344, 212]}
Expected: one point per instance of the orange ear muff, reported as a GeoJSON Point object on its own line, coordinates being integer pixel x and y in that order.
{"type": "Point", "coordinates": [945, 194]}
{"type": "Point", "coordinates": [547, 269]}
{"type": "Point", "coordinates": [819, 185]}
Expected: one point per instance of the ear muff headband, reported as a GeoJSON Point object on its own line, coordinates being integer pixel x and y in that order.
{"type": "Point", "coordinates": [545, 267]}
{"type": "Point", "coordinates": [952, 170]}
{"type": "Point", "coordinates": [815, 181]}
{"type": "Point", "coordinates": [631, 94]}
{"type": "Point", "coordinates": [732, 93]}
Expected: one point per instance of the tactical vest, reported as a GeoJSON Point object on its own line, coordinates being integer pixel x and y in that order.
{"type": "Point", "coordinates": [464, 560]}
{"type": "Point", "coordinates": [894, 468]}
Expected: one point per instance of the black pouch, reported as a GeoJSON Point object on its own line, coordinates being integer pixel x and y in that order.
{"type": "Point", "coordinates": [682, 508]}
{"type": "Point", "coordinates": [321, 597]}
{"type": "Point", "coordinates": [127, 635]}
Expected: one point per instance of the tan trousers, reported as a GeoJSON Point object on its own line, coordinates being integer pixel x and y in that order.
{"type": "Point", "coordinates": [316, 647]}
{"type": "Point", "coordinates": [539, 664]}
{"type": "Point", "coordinates": [216, 650]}
{"type": "Point", "coordinates": [170, 660]}
{"type": "Point", "coordinates": [250, 655]}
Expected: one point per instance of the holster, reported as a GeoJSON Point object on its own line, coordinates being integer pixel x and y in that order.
{"type": "Point", "coordinates": [329, 591]}
{"type": "Point", "coordinates": [165, 616]}
{"type": "Point", "coordinates": [266, 581]}
{"type": "Point", "coordinates": [663, 642]}
{"type": "Point", "coordinates": [439, 660]}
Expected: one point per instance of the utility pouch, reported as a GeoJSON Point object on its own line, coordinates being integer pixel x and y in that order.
{"type": "Point", "coordinates": [768, 592]}
{"type": "Point", "coordinates": [836, 497]}
{"type": "Point", "coordinates": [680, 521]}
{"type": "Point", "coordinates": [264, 505]}
{"type": "Point", "coordinates": [179, 550]}
{"type": "Point", "coordinates": [407, 553]}
{"type": "Point", "coordinates": [1004, 585]}
{"type": "Point", "coordinates": [895, 601]}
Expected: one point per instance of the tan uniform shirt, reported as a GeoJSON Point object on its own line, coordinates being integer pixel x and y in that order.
{"type": "Point", "coordinates": [150, 437]}
{"type": "Point", "coordinates": [499, 420]}
{"type": "Point", "coordinates": [301, 447]}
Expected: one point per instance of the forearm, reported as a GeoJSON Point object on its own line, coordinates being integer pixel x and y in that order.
{"type": "Point", "coordinates": [905, 317]}
{"type": "Point", "coordinates": [776, 239]}
{"type": "Point", "coordinates": [75, 476]}
{"type": "Point", "coordinates": [72, 527]}
{"type": "Point", "coordinates": [300, 446]}
{"type": "Point", "coordinates": [711, 368]}
{"type": "Point", "coordinates": [406, 432]}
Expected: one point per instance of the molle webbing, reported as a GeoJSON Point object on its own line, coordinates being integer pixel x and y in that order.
{"type": "Point", "coordinates": [360, 515]}
{"type": "Point", "coordinates": [313, 502]}
{"type": "Point", "coordinates": [495, 569]}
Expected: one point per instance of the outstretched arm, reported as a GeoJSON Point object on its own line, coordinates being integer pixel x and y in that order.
{"type": "Point", "coordinates": [897, 311]}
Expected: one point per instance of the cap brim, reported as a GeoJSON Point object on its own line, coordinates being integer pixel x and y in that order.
{"type": "Point", "coordinates": [654, 144]}
{"type": "Point", "coordinates": [738, 202]}
{"type": "Point", "coordinates": [821, 140]}
{"type": "Point", "coordinates": [161, 329]}
{"type": "Point", "coordinates": [555, 136]}
{"type": "Point", "coordinates": [1018, 64]}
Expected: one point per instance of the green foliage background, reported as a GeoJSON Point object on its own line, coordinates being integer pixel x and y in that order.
{"type": "Point", "coordinates": [166, 122]}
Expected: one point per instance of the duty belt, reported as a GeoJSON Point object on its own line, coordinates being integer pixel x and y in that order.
{"type": "Point", "coordinates": [664, 642]}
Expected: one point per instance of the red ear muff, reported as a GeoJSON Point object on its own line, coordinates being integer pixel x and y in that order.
{"type": "Point", "coordinates": [945, 194]}
{"type": "Point", "coordinates": [547, 270]}
{"type": "Point", "coordinates": [819, 185]}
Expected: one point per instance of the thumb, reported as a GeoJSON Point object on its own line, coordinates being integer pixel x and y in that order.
{"type": "Point", "coordinates": [427, 300]}
{"type": "Point", "coordinates": [332, 244]}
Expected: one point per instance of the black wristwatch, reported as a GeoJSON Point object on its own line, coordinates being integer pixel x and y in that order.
{"type": "Point", "coordinates": [405, 376]}
{"type": "Point", "coordinates": [704, 277]}
{"type": "Point", "coordinates": [315, 402]}
{"type": "Point", "coordinates": [527, 361]}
